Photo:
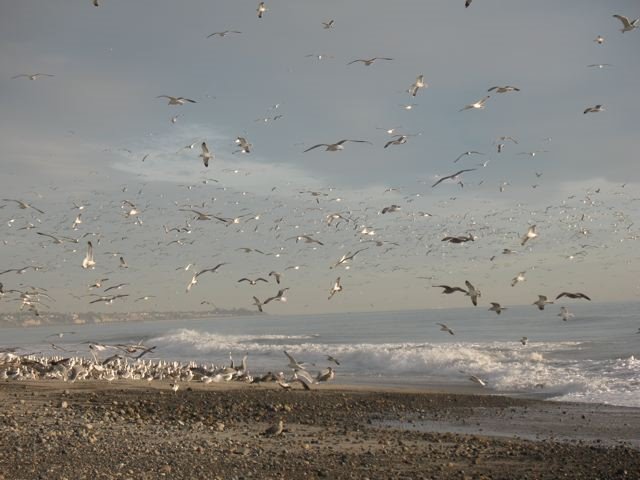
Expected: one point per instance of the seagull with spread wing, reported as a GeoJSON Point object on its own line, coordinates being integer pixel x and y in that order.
{"type": "Point", "coordinates": [194, 279]}
{"type": "Point", "coordinates": [334, 147]}
{"type": "Point", "coordinates": [453, 176]}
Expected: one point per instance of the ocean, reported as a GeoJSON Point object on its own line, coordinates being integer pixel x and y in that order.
{"type": "Point", "coordinates": [593, 357]}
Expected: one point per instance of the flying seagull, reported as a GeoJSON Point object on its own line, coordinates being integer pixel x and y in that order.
{"type": "Point", "coordinates": [369, 61]}
{"type": "Point", "coordinates": [573, 295]}
{"type": "Point", "coordinates": [496, 307]}
{"type": "Point", "coordinates": [471, 152]}
{"type": "Point", "coordinates": [541, 302]}
{"type": "Point", "coordinates": [531, 233]}
{"type": "Point", "coordinates": [223, 33]}
{"type": "Point", "coordinates": [206, 155]}
{"type": "Point", "coordinates": [472, 292]}
{"type": "Point", "coordinates": [453, 176]}
{"type": "Point", "coordinates": [32, 76]}
{"type": "Point", "coordinates": [194, 280]}
{"type": "Point", "coordinates": [23, 205]}
{"type": "Point", "coordinates": [479, 105]}
{"type": "Point", "coordinates": [518, 278]}
{"type": "Point", "coordinates": [449, 290]}
{"type": "Point", "coordinates": [261, 9]}
{"type": "Point", "coordinates": [444, 328]}
{"type": "Point", "coordinates": [594, 109]}
{"type": "Point", "coordinates": [505, 89]}
{"type": "Point", "coordinates": [628, 25]}
{"type": "Point", "coordinates": [176, 100]}
{"type": "Point", "coordinates": [565, 314]}
{"type": "Point", "coordinates": [417, 85]}
{"type": "Point", "coordinates": [88, 261]}
{"type": "Point", "coordinates": [253, 282]}
{"type": "Point", "coordinates": [335, 288]}
{"type": "Point", "coordinates": [334, 147]}
{"type": "Point", "coordinates": [328, 25]}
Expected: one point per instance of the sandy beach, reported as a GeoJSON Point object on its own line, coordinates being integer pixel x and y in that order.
{"type": "Point", "coordinates": [98, 430]}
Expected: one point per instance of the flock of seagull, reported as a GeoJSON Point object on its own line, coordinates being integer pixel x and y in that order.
{"type": "Point", "coordinates": [315, 220]}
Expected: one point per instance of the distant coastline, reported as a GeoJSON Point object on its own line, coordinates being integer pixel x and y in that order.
{"type": "Point", "coordinates": [28, 319]}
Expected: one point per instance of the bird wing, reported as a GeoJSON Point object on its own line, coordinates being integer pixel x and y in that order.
{"type": "Point", "coordinates": [624, 20]}
{"type": "Point", "coordinates": [316, 146]}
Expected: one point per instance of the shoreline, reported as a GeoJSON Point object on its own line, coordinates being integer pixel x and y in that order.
{"type": "Point", "coordinates": [129, 429]}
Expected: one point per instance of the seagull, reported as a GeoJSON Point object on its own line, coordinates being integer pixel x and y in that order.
{"type": "Point", "coordinates": [347, 257]}
{"type": "Point", "coordinates": [245, 146]}
{"type": "Point", "coordinates": [334, 147]}
{"type": "Point", "coordinates": [471, 152]}
{"type": "Point", "coordinates": [390, 209]}
{"type": "Point", "coordinates": [326, 375]}
{"type": "Point", "coordinates": [194, 279]}
{"type": "Point", "coordinates": [565, 314]}
{"type": "Point", "coordinates": [627, 25]}
{"type": "Point", "coordinates": [293, 363]}
{"type": "Point", "coordinates": [532, 154]}
{"type": "Point", "coordinates": [453, 176]}
{"type": "Point", "coordinates": [479, 105]}
{"type": "Point", "coordinates": [253, 282]}
{"type": "Point", "coordinates": [23, 205]}
{"type": "Point", "coordinates": [541, 302]}
{"type": "Point", "coordinates": [399, 140]}
{"type": "Point", "coordinates": [480, 382]}
{"type": "Point", "coordinates": [523, 340]}
{"type": "Point", "coordinates": [278, 297]}
{"type": "Point", "coordinates": [335, 288]}
{"type": "Point", "coordinates": [222, 34]}
{"type": "Point", "coordinates": [518, 278]}
{"type": "Point", "coordinates": [276, 275]}
{"type": "Point", "coordinates": [472, 292]}
{"type": "Point", "coordinates": [467, 3]}
{"type": "Point", "coordinates": [261, 9]}
{"type": "Point", "coordinates": [531, 233]}
{"type": "Point", "coordinates": [460, 239]}
{"type": "Point", "coordinates": [176, 100]}
{"type": "Point", "coordinates": [258, 304]}
{"type": "Point", "coordinates": [206, 155]}
{"type": "Point", "coordinates": [444, 328]}
{"type": "Point", "coordinates": [595, 109]}
{"type": "Point", "coordinates": [277, 429]}
{"type": "Point", "coordinates": [333, 359]}
{"type": "Point", "coordinates": [496, 307]}
{"type": "Point", "coordinates": [573, 295]}
{"type": "Point", "coordinates": [505, 89]}
{"type": "Point", "coordinates": [599, 65]}
{"type": "Point", "coordinates": [88, 261]}
{"type": "Point", "coordinates": [599, 40]}
{"type": "Point", "coordinates": [123, 263]}
{"type": "Point", "coordinates": [417, 85]}
{"type": "Point", "coordinates": [32, 76]}
{"type": "Point", "coordinates": [449, 290]}
{"type": "Point", "coordinates": [306, 239]}
{"type": "Point", "coordinates": [369, 61]}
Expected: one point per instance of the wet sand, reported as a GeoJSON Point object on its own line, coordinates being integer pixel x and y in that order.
{"type": "Point", "coordinates": [99, 430]}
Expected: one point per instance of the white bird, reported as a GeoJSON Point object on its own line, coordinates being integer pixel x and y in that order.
{"type": "Point", "coordinates": [470, 152]}
{"type": "Point", "coordinates": [531, 233]}
{"type": "Point", "coordinates": [335, 288]}
{"type": "Point", "coordinates": [88, 261]}
{"type": "Point", "coordinates": [599, 40]}
{"type": "Point", "coordinates": [328, 25]}
{"type": "Point", "coordinates": [417, 85]}
{"type": "Point", "coordinates": [565, 314]}
{"type": "Point", "coordinates": [261, 9]}
{"type": "Point", "coordinates": [477, 380]}
{"type": "Point", "coordinates": [628, 25]}
{"type": "Point", "coordinates": [326, 375]}
{"type": "Point", "coordinates": [206, 155]}
{"type": "Point", "coordinates": [194, 279]}
{"type": "Point", "coordinates": [176, 100]}
{"type": "Point", "coordinates": [518, 278]}
{"type": "Point", "coordinates": [479, 105]}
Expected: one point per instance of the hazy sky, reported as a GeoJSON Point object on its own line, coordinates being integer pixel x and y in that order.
{"type": "Point", "coordinates": [80, 136]}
